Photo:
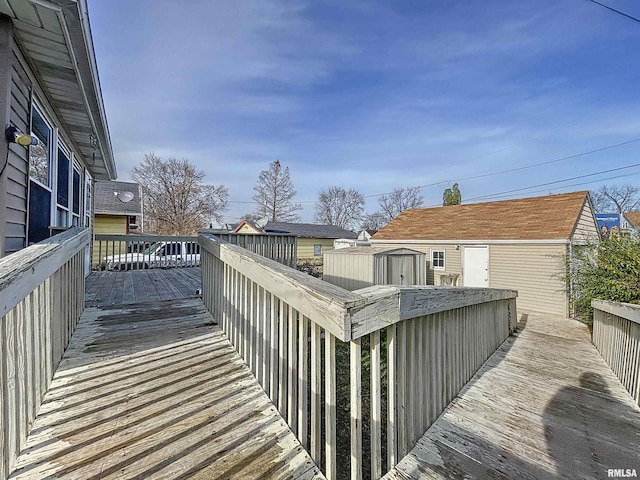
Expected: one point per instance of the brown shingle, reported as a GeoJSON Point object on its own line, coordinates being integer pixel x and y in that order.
{"type": "Point", "coordinates": [634, 218]}
{"type": "Point", "coordinates": [535, 218]}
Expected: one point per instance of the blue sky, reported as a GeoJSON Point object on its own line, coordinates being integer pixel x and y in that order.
{"type": "Point", "coordinates": [374, 95]}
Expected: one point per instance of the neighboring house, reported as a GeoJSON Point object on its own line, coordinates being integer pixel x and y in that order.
{"type": "Point", "coordinates": [118, 211]}
{"type": "Point", "coordinates": [118, 208]}
{"type": "Point", "coordinates": [612, 223]}
{"type": "Point", "coordinates": [515, 244]}
{"type": "Point", "coordinates": [49, 88]}
{"type": "Point", "coordinates": [246, 226]}
{"type": "Point", "coordinates": [633, 218]}
{"type": "Point", "coordinates": [313, 239]}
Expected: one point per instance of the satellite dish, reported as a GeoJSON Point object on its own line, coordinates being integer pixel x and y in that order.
{"type": "Point", "coordinates": [124, 197]}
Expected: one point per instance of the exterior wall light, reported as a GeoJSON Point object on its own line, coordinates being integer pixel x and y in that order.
{"type": "Point", "coordinates": [15, 135]}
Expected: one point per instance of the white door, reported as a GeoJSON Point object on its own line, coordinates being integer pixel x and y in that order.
{"type": "Point", "coordinates": [476, 267]}
{"type": "Point", "coordinates": [401, 270]}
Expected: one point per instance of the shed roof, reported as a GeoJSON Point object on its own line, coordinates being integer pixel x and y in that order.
{"type": "Point", "coordinates": [106, 202]}
{"type": "Point", "coordinates": [372, 250]}
{"type": "Point", "coordinates": [309, 230]}
{"type": "Point", "coordinates": [536, 218]}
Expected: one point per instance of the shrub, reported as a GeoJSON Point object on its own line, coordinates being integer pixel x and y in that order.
{"type": "Point", "coordinates": [609, 271]}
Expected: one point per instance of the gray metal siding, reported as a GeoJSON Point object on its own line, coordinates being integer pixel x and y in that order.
{"type": "Point", "coordinates": [350, 272]}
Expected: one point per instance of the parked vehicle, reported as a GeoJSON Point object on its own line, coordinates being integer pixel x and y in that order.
{"type": "Point", "coordinates": [157, 255]}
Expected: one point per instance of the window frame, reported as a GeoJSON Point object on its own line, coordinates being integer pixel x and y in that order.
{"type": "Point", "coordinates": [52, 141]}
{"type": "Point", "coordinates": [444, 256]}
{"type": "Point", "coordinates": [317, 247]}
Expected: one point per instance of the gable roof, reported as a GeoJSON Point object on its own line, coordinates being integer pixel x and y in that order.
{"type": "Point", "coordinates": [309, 230]}
{"type": "Point", "coordinates": [537, 218]}
{"type": "Point", "coordinates": [634, 218]}
{"type": "Point", "coordinates": [247, 223]}
{"type": "Point", "coordinates": [106, 202]}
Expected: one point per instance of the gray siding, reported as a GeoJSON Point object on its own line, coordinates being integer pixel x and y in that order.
{"type": "Point", "coordinates": [350, 272]}
{"type": "Point", "coordinates": [17, 167]}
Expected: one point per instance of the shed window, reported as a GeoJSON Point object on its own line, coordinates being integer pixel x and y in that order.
{"type": "Point", "coordinates": [437, 259]}
{"type": "Point", "coordinates": [317, 249]}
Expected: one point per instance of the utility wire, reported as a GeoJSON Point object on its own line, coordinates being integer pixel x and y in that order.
{"type": "Point", "coordinates": [630, 17]}
{"type": "Point", "coordinates": [484, 175]}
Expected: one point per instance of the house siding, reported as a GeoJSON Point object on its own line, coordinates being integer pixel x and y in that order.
{"type": "Point", "coordinates": [535, 271]}
{"type": "Point", "coordinates": [586, 230]}
{"type": "Point", "coordinates": [107, 225]}
{"type": "Point", "coordinates": [305, 247]}
{"type": "Point", "coordinates": [17, 86]}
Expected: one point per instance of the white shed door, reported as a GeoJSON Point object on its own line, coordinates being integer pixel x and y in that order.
{"type": "Point", "coordinates": [476, 267]}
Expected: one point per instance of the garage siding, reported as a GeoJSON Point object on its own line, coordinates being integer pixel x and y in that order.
{"type": "Point", "coordinates": [533, 270]}
{"type": "Point", "coordinates": [350, 272]}
{"type": "Point", "coordinates": [452, 259]}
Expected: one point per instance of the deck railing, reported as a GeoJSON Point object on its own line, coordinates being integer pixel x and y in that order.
{"type": "Point", "coordinates": [616, 335]}
{"type": "Point", "coordinates": [301, 337]}
{"type": "Point", "coordinates": [41, 300]}
{"type": "Point", "coordinates": [134, 252]}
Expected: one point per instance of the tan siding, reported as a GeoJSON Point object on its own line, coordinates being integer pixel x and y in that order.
{"type": "Point", "coordinates": [586, 227]}
{"type": "Point", "coordinates": [305, 247]}
{"type": "Point", "coordinates": [533, 271]}
{"type": "Point", "coordinates": [350, 272]}
{"type": "Point", "coordinates": [452, 259]}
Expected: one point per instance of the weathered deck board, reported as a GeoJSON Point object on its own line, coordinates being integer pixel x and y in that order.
{"type": "Point", "coordinates": [154, 390]}
{"type": "Point", "coordinates": [545, 405]}
{"type": "Point", "coordinates": [140, 286]}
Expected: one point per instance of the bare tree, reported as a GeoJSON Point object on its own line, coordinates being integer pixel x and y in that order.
{"type": "Point", "coordinates": [398, 201]}
{"type": "Point", "coordinates": [452, 196]}
{"type": "Point", "coordinates": [176, 199]}
{"type": "Point", "coordinates": [374, 222]}
{"type": "Point", "coordinates": [274, 194]}
{"type": "Point", "coordinates": [621, 198]}
{"type": "Point", "coordinates": [340, 207]}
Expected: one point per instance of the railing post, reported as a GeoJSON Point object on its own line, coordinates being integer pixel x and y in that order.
{"type": "Point", "coordinates": [355, 349]}
{"type": "Point", "coordinates": [376, 397]}
{"type": "Point", "coordinates": [330, 404]}
{"type": "Point", "coordinates": [316, 386]}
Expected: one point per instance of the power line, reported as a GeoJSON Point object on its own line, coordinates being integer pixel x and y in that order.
{"type": "Point", "coordinates": [630, 17]}
{"type": "Point", "coordinates": [493, 174]}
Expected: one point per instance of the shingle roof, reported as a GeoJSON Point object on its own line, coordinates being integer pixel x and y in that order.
{"type": "Point", "coordinates": [106, 202]}
{"type": "Point", "coordinates": [535, 218]}
{"type": "Point", "coordinates": [634, 218]}
{"type": "Point", "coordinates": [309, 230]}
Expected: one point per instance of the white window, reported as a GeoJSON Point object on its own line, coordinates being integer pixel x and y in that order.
{"type": "Point", "coordinates": [76, 194]}
{"type": "Point", "coordinates": [40, 154]}
{"type": "Point", "coordinates": [437, 259]}
{"type": "Point", "coordinates": [63, 186]}
{"type": "Point", "coordinates": [317, 249]}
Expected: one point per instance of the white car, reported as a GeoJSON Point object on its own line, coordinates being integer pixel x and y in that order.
{"type": "Point", "coordinates": [159, 254]}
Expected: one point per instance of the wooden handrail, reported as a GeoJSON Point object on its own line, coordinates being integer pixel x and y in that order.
{"type": "Point", "coordinates": [23, 271]}
{"type": "Point", "coordinates": [616, 335]}
{"type": "Point", "coordinates": [278, 319]}
{"type": "Point", "coordinates": [42, 298]}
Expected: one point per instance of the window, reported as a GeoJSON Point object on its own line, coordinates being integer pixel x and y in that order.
{"type": "Point", "coordinates": [75, 203]}
{"type": "Point", "coordinates": [40, 155]}
{"type": "Point", "coordinates": [62, 187]}
{"type": "Point", "coordinates": [317, 249]}
{"type": "Point", "coordinates": [88, 201]}
{"type": "Point", "coordinates": [437, 259]}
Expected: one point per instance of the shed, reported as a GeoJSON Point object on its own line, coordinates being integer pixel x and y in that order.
{"type": "Point", "coordinates": [359, 267]}
{"type": "Point", "coordinates": [520, 244]}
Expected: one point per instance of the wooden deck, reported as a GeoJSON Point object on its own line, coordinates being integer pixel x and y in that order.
{"type": "Point", "coordinates": [154, 390]}
{"type": "Point", "coordinates": [139, 286]}
{"type": "Point", "coordinates": [545, 405]}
